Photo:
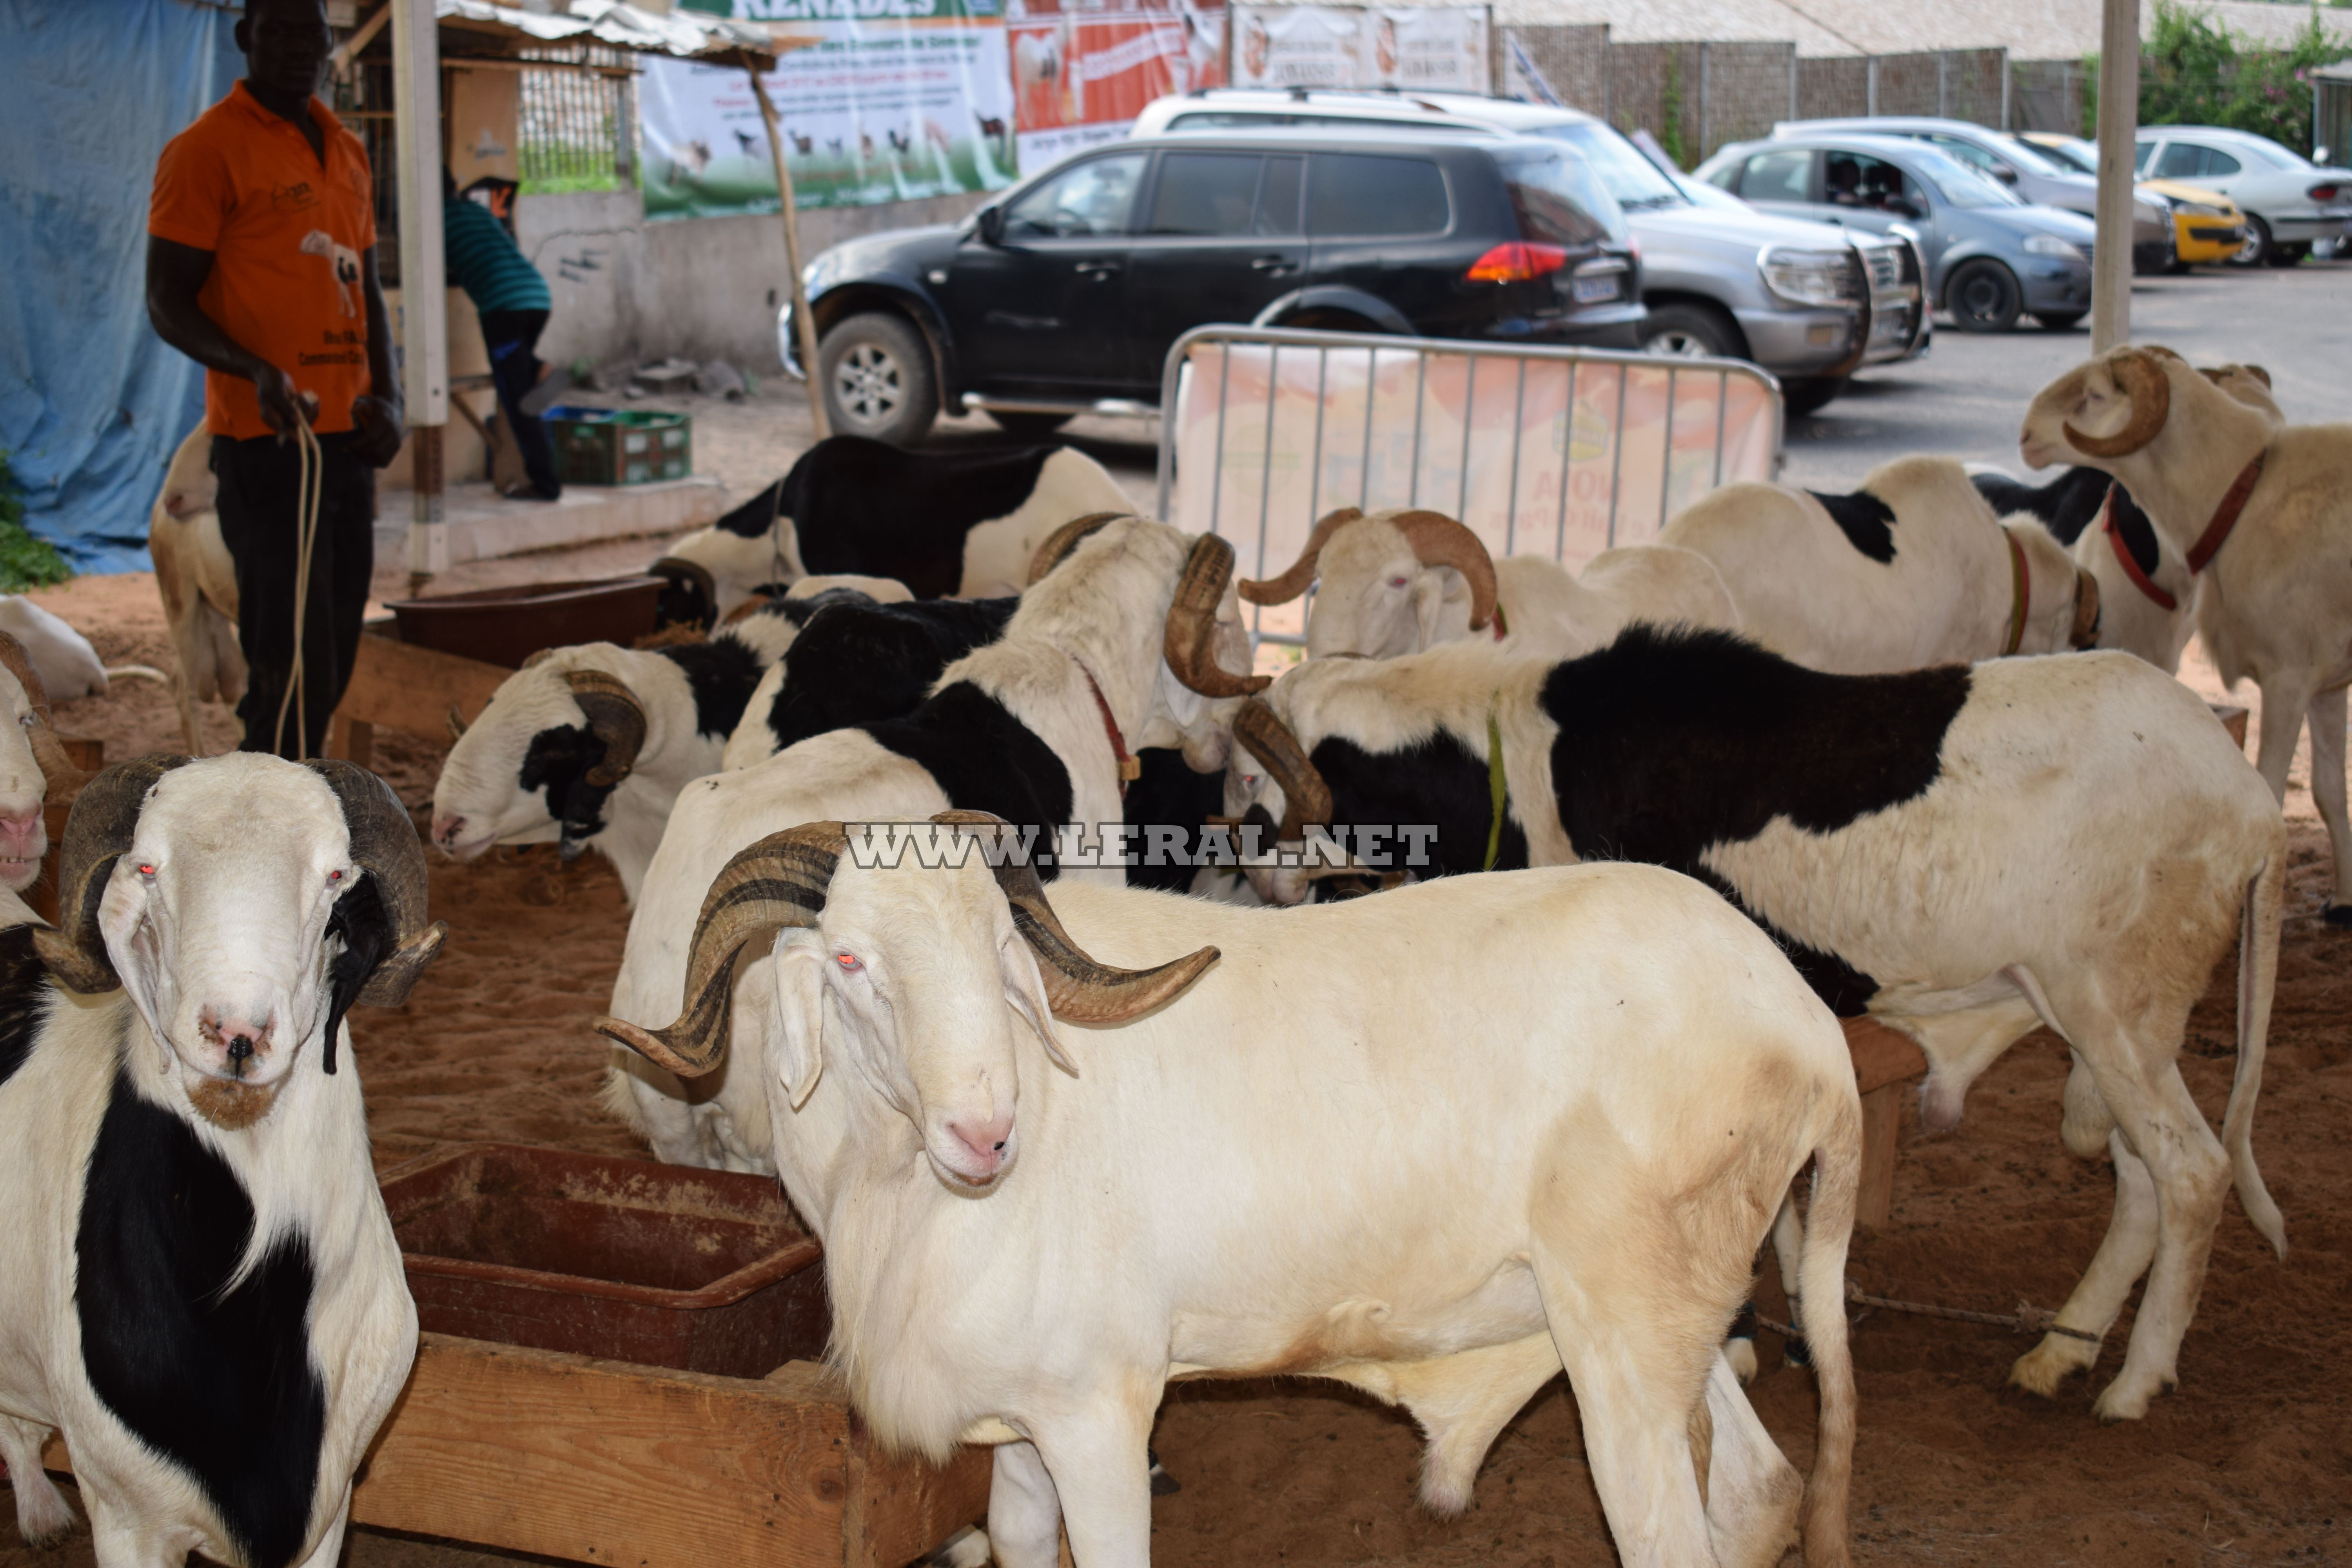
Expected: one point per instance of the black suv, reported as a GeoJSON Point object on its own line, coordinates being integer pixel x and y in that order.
{"type": "Point", "coordinates": [1065, 296]}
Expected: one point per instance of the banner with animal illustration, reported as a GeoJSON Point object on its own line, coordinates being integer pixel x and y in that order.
{"type": "Point", "coordinates": [1422, 48]}
{"type": "Point", "coordinates": [1083, 70]}
{"type": "Point", "coordinates": [901, 100]}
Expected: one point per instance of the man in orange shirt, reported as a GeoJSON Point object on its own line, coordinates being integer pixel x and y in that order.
{"type": "Point", "coordinates": [261, 268]}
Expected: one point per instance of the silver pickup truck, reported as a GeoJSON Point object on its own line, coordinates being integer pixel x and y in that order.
{"type": "Point", "coordinates": [1809, 302]}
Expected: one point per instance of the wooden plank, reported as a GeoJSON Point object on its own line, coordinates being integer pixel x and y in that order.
{"type": "Point", "coordinates": [900, 1508]}
{"type": "Point", "coordinates": [1882, 1056]}
{"type": "Point", "coordinates": [605, 1462]}
{"type": "Point", "coordinates": [1882, 1123]}
{"type": "Point", "coordinates": [412, 689]}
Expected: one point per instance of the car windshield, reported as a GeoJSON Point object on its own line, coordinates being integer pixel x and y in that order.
{"type": "Point", "coordinates": [2081, 157]}
{"type": "Point", "coordinates": [1961, 185]}
{"type": "Point", "coordinates": [1632, 179]}
{"type": "Point", "coordinates": [2033, 160]}
{"type": "Point", "coordinates": [1558, 199]}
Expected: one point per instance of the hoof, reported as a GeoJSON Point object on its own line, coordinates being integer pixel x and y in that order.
{"type": "Point", "coordinates": [2339, 915]}
{"type": "Point", "coordinates": [1162, 1483]}
{"type": "Point", "coordinates": [1741, 1354]}
{"type": "Point", "coordinates": [2040, 1370]}
{"type": "Point", "coordinates": [1796, 1352]}
{"type": "Point", "coordinates": [967, 1548]}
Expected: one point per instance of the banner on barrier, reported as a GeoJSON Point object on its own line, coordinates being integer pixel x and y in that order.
{"type": "Point", "coordinates": [1554, 456]}
{"type": "Point", "coordinates": [1427, 48]}
{"type": "Point", "coordinates": [1083, 70]}
{"type": "Point", "coordinates": [904, 99]}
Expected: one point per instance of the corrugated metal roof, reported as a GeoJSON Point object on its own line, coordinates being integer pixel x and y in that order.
{"type": "Point", "coordinates": [1678, 21]}
{"type": "Point", "coordinates": [684, 34]}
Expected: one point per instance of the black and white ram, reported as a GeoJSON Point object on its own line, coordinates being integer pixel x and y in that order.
{"type": "Point", "coordinates": [1961, 852]}
{"type": "Point", "coordinates": [2261, 515]}
{"type": "Point", "coordinates": [1134, 641]}
{"type": "Point", "coordinates": [2146, 593]}
{"type": "Point", "coordinates": [1397, 582]}
{"type": "Point", "coordinates": [200, 1285]}
{"type": "Point", "coordinates": [1912, 569]}
{"type": "Point", "coordinates": [947, 524]}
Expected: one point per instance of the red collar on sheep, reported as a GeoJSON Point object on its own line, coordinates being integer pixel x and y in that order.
{"type": "Point", "coordinates": [2021, 588]}
{"type": "Point", "coordinates": [2140, 579]}
{"type": "Point", "coordinates": [1129, 768]}
{"type": "Point", "coordinates": [2225, 516]}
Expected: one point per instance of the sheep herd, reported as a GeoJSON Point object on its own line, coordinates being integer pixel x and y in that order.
{"type": "Point", "coordinates": [1493, 1033]}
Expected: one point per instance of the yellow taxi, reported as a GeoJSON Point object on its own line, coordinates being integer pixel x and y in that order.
{"type": "Point", "coordinates": [2206, 226]}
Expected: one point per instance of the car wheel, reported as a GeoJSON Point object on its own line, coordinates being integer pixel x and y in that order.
{"type": "Point", "coordinates": [1809, 393]}
{"type": "Point", "coordinates": [1982, 297]}
{"type": "Point", "coordinates": [2059, 320]}
{"type": "Point", "coordinates": [2257, 247]}
{"type": "Point", "coordinates": [1329, 322]}
{"type": "Point", "coordinates": [1029, 426]}
{"type": "Point", "coordinates": [1691, 331]}
{"type": "Point", "coordinates": [875, 370]}
{"type": "Point", "coordinates": [2288, 255]}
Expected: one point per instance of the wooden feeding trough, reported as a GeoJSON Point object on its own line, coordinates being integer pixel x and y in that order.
{"type": "Point", "coordinates": [524, 1447]}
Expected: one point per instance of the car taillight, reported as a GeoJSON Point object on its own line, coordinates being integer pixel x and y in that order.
{"type": "Point", "coordinates": [2322, 193]}
{"type": "Point", "coordinates": [1515, 262]}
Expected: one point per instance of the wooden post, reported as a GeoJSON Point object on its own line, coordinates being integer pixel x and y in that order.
{"type": "Point", "coordinates": [424, 298]}
{"type": "Point", "coordinates": [804, 324]}
{"type": "Point", "coordinates": [2111, 266]}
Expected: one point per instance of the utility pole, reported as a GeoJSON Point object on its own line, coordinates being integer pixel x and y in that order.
{"type": "Point", "coordinates": [423, 299]}
{"type": "Point", "coordinates": [2111, 267]}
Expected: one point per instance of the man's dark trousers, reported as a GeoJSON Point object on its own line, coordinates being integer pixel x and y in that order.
{"type": "Point", "coordinates": [260, 491]}
{"type": "Point", "coordinates": [512, 339]}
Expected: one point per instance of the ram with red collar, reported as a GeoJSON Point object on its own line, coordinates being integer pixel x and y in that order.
{"type": "Point", "coordinates": [2260, 516]}
{"type": "Point", "coordinates": [1128, 638]}
{"type": "Point", "coordinates": [1934, 848]}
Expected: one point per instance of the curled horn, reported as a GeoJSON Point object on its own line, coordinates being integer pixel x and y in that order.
{"type": "Point", "coordinates": [59, 774]}
{"type": "Point", "coordinates": [2142, 379]}
{"type": "Point", "coordinates": [778, 883]}
{"type": "Point", "coordinates": [98, 833]}
{"type": "Point", "coordinates": [1191, 634]}
{"type": "Point", "coordinates": [1291, 584]}
{"type": "Point", "coordinates": [1078, 989]}
{"type": "Point", "coordinates": [614, 717]}
{"type": "Point", "coordinates": [678, 571]}
{"type": "Point", "coordinates": [1439, 541]}
{"type": "Point", "coordinates": [1067, 538]}
{"type": "Point", "coordinates": [2086, 630]}
{"type": "Point", "coordinates": [387, 937]}
{"type": "Point", "coordinates": [1305, 798]}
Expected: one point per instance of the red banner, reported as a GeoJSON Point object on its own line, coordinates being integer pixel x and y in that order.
{"type": "Point", "coordinates": [1081, 76]}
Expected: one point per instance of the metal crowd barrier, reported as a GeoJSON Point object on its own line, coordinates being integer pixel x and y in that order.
{"type": "Point", "coordinates": [1555, 451]}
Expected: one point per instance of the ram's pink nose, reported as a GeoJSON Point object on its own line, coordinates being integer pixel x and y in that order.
{"type": "Point", "coordinates": [20, 836]}
{"type": "Point", "coordinates": [447, 827]}
{"type": "Point", "coordinates": [239, 1035]}
{"type": "Point", "coordinates": [986, 1140]}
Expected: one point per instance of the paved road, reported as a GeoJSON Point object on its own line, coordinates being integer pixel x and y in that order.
{"type": "Point", "coordinates": [1966, 396]}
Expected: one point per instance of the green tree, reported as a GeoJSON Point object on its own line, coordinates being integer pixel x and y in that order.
{"type": "Point", "coordinates": [2197, 71]}
{"type": "Point", "coordinates": [24, 562]}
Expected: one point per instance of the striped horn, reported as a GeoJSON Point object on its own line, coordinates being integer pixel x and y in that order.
{"type": "Point", "coordinates": [1291, 584]}
{"type": "Point", "coordinates": [1191, 635]}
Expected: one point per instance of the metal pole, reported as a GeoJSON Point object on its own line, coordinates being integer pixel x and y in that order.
{"type": "Point", "coordinates": [2005, 125]}
{"type": "Point", "coordinates": [424, 298]}
{"type": "Point", "coordinates": [1793, 111]}
{"type": "Point", "coordinates": [1871, 90]}
{"type": "Point", "coordinates": [2111, 267]}
{"type": "Point", "coordinates": [1703, 148]}
{"type": "Point", "coordinates": [804, 324]}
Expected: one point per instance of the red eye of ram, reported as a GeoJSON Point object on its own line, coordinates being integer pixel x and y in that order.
{"type": "Point", "coordinates": [848, 962]}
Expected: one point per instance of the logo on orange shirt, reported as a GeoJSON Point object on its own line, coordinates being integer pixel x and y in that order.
{"type": "Point", "coordinates": [298, 197]}
{"type": "Point", "coordinates": [342, 260]}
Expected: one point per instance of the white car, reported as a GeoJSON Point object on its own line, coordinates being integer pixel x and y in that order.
{"type": "Point", "coordinates": [2289, 202]}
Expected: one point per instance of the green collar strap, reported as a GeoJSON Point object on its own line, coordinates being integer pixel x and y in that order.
{"type": "Point", "coordinates": [1495, 792]}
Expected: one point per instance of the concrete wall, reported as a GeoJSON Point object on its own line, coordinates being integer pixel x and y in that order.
{"type": "Point", "coordinates": [627, 290]}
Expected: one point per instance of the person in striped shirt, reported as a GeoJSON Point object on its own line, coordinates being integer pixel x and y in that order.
{"type": "Point", "coordinates": [513, 302]}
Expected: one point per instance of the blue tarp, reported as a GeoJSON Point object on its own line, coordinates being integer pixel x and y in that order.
{"type": "Point", "coordinates": [92, 404]}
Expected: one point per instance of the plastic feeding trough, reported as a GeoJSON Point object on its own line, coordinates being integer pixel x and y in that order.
{"type": "Point", "coordinates": [506, 626]}
{"type": "Point", "coordinates": [623, 1259]}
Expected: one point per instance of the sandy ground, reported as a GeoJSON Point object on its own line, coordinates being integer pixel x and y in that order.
{"type": "Point", "coordinates": [2250, 1463]}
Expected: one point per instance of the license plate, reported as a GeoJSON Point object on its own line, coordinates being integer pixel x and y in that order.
{"type": "Point", "coordinates": [1588, 289]}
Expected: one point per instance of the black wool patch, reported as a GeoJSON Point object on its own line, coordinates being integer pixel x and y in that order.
{"type": "Point", "coordinates": [1168, 793]}
{"type": "Point", "coordinates": [24, 998]}
{"type": "Point", "coordinates": [559, 761]}
{"type": "Point", "coordinates": [1439, 781]}
{"type": "Point", "coordinates": [1867, 522]}
{"type": "Point", "coordinates": [865, 506]}
{"type": "Point", "coordinates": [755, 517]}
{"type": "Point", "coordinates": [859, 663]}
{"type": "Point", "coordinates": [984, 760]}
{"type": "Point", "coordinates": [1672, 742]}
{"type": "Point", "coordinates": [219, 1383]}
{"type": "Point", "coordinates": [2064, 506]}
{"type": "Point", "coordinates": [722, 673]}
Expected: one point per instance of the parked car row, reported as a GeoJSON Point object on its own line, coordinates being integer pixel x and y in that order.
{"type": "Point", "coordinates": [1816, 253]}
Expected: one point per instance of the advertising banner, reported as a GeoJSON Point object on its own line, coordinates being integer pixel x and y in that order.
{"type": "Point", "coordinates": [1425, 47]}
{"type": "Point", "coordinates": [902, 100]}
{"type": "Point", "coordinates": [1083, 70]}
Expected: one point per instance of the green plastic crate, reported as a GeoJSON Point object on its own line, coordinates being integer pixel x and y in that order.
{"type": "Point", "coordinates": [620, 446]}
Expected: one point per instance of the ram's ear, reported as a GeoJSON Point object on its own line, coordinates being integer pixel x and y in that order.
{"type": "Point", "coordinates": [797, 1050]}
{"type": "Point", "coordinates": [1025, 989]}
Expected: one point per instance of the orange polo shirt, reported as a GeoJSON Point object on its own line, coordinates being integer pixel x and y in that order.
{"type": "Point", "coordinates": [288, 233]}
